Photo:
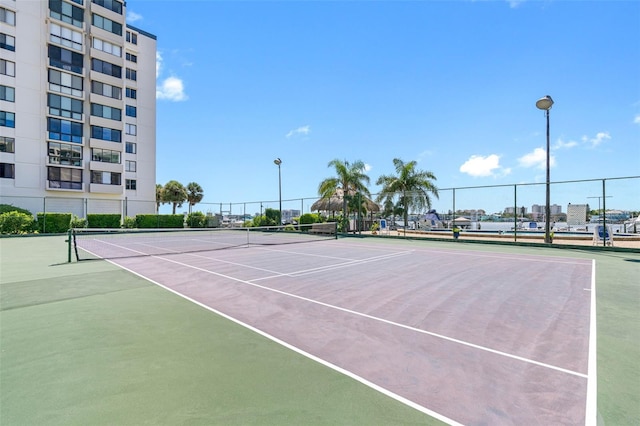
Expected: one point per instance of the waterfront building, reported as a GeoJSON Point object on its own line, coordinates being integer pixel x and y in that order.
{"type": "Point", "coordinates": [77, 108]}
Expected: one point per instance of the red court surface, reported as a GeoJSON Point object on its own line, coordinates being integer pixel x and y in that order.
{"type": "Point", "coordinates": [469, 337]}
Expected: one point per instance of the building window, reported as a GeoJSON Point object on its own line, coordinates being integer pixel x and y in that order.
{"type": "Point", "coordinates": [63, 178]}
{"type": "Point", "coordinates": [106, 24]}
{"type": "Point", "coordinates": [64, 107]}
{"type": "Point", "coordinates": [66, 12]}
{"type": "Point", "coordinates": [131, 129]}
{"type": "Point", "coordinates": [131, 184]}
{"type": "Point", "coordinates": [106, 178]}
{"type": "Point", "coordinates": [64, 130]}
{"type": "Point", "coordinates": [7, 42]}
{"type": "Point", "coordinates": [132, 93]}
{"type": "Point", "coordinates": [65, 154]}
{"type": "Point", "coordinates": [113, 5]}
{"type": "Point", "coordinates": [132, 111]}
{"type": "Point", "coordinates": [132, 37]}
{"type": "Point", "coordinates": [7, 94]}
{"type": "Point", "coordinates": [106, 90]}
{"type": "Point", "coordinates": [68, 84]}
{"type": "Point", "coordinates": [129, 166]}
{"type": "Point", "coordinates": [7, 144]}
{"type": "Point", "coordinates": [105, 155]}
{"type": "Point", "coordinates": [7, 68]}
{"type": "Point", "coordinates": [131, 148]}
{"type": "Point", "coordinates": [7, 171]}
{"type": "Point", "coordinates": [106, 68]}
{"type": "Point", "coordinates": [104, 111]}
{"type": "Point", "coordinates": [132, 74]}
{"type": "Point", "coordinates": [7, 119]}
{"type": "Point", "coordinates": [66, 36]}
{"type": "Point", "coordinates": [65, 59]}
{"type": "Point", "coordinates": [105, 46]}
{"type": "Point", "coordinates": [7, 16]}
{"type": "Point", "coordinates": [106, 134]}
{"type": "Point", "coordinates": [131, 57]}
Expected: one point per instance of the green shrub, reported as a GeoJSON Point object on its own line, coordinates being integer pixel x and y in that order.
{"type": "Point", "coordinates": [160, 221]}
{"type": "Point", "coordinates": [197, 220]}
{"type": "Point", "coordinates": [289, 228]}
{"type": "Point", "coordinates": [308, 218]}
{"type": "Point", "coordinates": [110, 221]}
{"type": "Point", "coordinates": [129, 222]}
{"type": "Point", "coordinates": [54, 223]}
{"type": "Point", "coordinates": [6, 208]}
{"type": "Point", "coordinates": [15, 222]}
{"type": "Point", "coordinates": [77, 222]}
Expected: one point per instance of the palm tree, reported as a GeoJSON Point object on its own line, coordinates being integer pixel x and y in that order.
{"type": "Point", "coordinates": [351, 179]}
{"type": "Point", "coordinates": [159, 196]}
{"type": "Point", "coordinates": [414, 187]}
{"type": "Point", "coordinates": [174, 193]}
{"type": "Point", "coordinates": [194, 194]}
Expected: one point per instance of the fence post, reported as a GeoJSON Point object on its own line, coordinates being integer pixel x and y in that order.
{"type": "Point", "coordinates": [604, 215]}
{"type": "Point", "coordinates": [453, 217]}
{"type": "Point", "coordinates": [515, 212]}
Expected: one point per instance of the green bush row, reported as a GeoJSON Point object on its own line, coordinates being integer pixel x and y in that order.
{"type": "Point", "coordinates": [159, 221]}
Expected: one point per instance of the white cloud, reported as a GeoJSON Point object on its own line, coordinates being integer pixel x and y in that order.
{"type": "Point", "coordinates": [560, 144]}
{"type": "Point", "coordinates": [636, 119]}
{"type": "Point", "coordinates": [515, 3]}
{"type": "Point", "coordinates": [479, 166]}
{"type": "Point", "coordinates": [537, 159]}
{"type": "Point", "coordinates": [367, 167]}
{"type": "Point", "coordinates": [133, 17]}
{"type": "Point", "coordinates": [171, 89]}
{"type": "Point", "coordinates": [600, 137]}
{"type": "Point", "coordinates": [158, 63]}
{"type": "Point", "coordinates": [303, 130]}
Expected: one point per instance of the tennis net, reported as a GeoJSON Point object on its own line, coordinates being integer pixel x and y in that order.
{"type": "Point", "coordinates": [119, 243]}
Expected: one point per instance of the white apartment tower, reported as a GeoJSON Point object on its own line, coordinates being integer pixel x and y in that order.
{"type": "Point", "coordinates": [77, 108]}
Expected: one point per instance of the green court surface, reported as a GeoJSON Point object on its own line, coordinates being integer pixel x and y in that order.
{"type": "Point", "coordinates": [89, 343]}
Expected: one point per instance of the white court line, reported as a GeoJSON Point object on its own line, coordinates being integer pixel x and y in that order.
{"type": "Point", "coordinates": [336, 266]}
{"type": "Point", "coordinates": [321, 361]}
{"type": "Point", "coordinates": [382, 320]}
{"type": "Point", "coordinates": [592, 381]}
{"type": "Point", "coordinates": [415, 244]}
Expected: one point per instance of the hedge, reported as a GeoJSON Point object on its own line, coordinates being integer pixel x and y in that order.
{"type": "Point", "coordinates": [54, 223]}
{"type": "Point", "coordinates": [15, 222]}
{"type": "Point", "coordinates": [160, 221]}
{"type": "Point", "coordinates": [6, 208]}
{"type": "Point", "coordinates": [103, 220]}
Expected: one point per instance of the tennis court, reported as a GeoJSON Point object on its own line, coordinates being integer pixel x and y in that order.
{"type": "Point", "coordinates": [464, 335]}
{"type": "Point", "coordinates": [473, 337]}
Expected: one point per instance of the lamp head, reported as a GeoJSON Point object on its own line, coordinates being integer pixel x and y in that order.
{"type": "Point", "coordinates": [544, 103]}
{"type": "Point", "coordinates": [277, 162]}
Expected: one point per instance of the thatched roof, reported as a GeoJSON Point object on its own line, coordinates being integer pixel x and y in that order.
{"type": "Point", "coordinates": [335, 202]}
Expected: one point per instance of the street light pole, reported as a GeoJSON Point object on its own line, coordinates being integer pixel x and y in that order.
{"type": "Point", "coordinates": [545, 105]}
{"type": "Point", "coordinates": [277, 162]}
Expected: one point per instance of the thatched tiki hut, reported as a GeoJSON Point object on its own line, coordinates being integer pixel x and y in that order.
{"type": "Point", "coordinates": [334, 204]}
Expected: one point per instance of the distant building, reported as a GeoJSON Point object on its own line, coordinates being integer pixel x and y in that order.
{"type": "Point", "coordinates": [537, 211]}
{"type": "Point", "coordinates": [288, 215]}
{"type": "Point", "coordinates": [577, 214]}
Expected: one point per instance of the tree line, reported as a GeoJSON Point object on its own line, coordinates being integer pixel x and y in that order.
{"type": "Point", "coordinates": [176, 194]}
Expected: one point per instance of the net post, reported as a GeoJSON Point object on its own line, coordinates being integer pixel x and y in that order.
{"type": "Point", "coordinates": [69, 245]}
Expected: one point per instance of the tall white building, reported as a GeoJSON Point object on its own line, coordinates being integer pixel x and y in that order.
{"type": "Point", "coordinates": [77, 108]}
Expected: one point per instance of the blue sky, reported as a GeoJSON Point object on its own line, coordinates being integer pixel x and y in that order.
{"type": "Point", "coordinates": [450, 84]}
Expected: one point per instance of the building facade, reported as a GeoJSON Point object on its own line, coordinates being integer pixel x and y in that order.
{"type": "Point", "coordinates": [77, 108]}
{"type": "Point", "coordinates": [577, 214]}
